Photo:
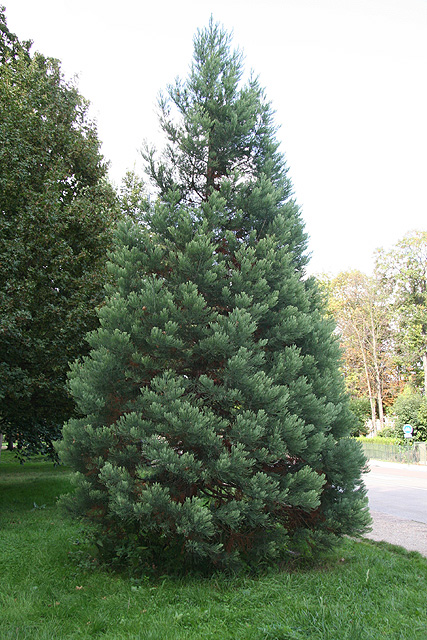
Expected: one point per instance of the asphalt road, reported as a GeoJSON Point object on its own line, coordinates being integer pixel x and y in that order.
{"type": "Point", "coordinates": [397, 489]}
{"type": "Point", "coordinates": [398, 502]}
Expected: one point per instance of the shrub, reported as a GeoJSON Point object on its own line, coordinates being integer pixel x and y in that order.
{"type": "Point", "coordinates": [406, 409]}
{"type": "Point", "coordinates": [361, 408]}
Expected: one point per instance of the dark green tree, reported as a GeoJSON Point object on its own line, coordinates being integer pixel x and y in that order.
{"type": "Point", "coordinates": [409, 408]}
{"type": "Point", "coordinates": [214, 424]}
{"type": "Point", "coordinates": [56, 215]}
{"type": "Point", "coordinates": [421, 428]}
{"type": "Point", "coordinates": [361, 408]}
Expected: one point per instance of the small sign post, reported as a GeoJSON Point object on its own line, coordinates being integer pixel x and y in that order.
{"type": "Point", "coordinates": [407, 430]}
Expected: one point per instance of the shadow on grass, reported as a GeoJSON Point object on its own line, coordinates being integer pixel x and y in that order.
{"type": "Point", "coordinates": [32, 484]}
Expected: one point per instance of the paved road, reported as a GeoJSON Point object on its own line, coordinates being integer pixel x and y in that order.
{"type": "Point", "coordinates": [398, 502]}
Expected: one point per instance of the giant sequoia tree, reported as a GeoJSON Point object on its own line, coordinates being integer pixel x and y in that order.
{"type": "Point", "coordinates": [213, 418]}
{"type": "Point", "coordinates": [55, 226]}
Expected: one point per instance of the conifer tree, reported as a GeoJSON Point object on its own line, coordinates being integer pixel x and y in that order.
{"type": "Point", "coordinates": [214, 424]}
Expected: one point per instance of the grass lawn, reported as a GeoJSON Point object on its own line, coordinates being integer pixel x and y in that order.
{"type": "Point", "coordinates": [363, 591]}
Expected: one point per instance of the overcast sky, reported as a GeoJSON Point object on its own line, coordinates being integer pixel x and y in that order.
{"type": "Point", "coordinates": [347, 79]}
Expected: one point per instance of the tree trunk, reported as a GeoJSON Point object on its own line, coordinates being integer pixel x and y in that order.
{"type": "Point", "coordinates": [1, 442]}
{"type": "Point", "coordinates": [368, 383]}
{"type": "Point", "coordinates": [380, 408]}
{"type": "Point", "coordinates": [377, 371]}
{"type": "Point", "coordinates": [210, 170]}
{"type": "Point", "coordinates": [425, 371]}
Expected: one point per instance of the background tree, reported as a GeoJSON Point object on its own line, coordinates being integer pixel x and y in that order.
{"type": "Point", "coordinates": [406, 410]}
{"type": "Point", "coordinates": [132, 197]}
{"type": "Point", "coordinates": [56, 215]}
{"type": "Point", "coordinates": [363, 319]}
{"type": "Point", "coordinates": [361, 408]}
{"type": "Point", "coordinates": [214, 421]}
{"type": "Point", "coordinates": [403, 273]}
{"type": "Point", "coordinates": [421, 423]}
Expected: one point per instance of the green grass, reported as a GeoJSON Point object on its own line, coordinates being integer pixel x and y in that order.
{"type": "Point", "coordinates": [378, 440]}
{"type": "Point", "coordinates": [364, 591]}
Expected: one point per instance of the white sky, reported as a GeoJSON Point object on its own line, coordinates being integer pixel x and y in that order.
{"type": "Point", "coordinates": [347, 79]}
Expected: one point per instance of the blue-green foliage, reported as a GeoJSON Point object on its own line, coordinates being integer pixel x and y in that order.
{"type": "Point", "coordinates": [214, 422]}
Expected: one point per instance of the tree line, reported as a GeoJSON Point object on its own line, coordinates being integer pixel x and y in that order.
{"type": "Point", "coordinates": [382, 324]}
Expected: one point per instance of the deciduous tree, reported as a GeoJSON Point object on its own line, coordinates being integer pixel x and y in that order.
{"type": "Point", "coordinates": [56, 214]}
{"type": "Point", "coordinates": [403, 274]}
{"type": "Point", "coordinates": [364, 324]}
